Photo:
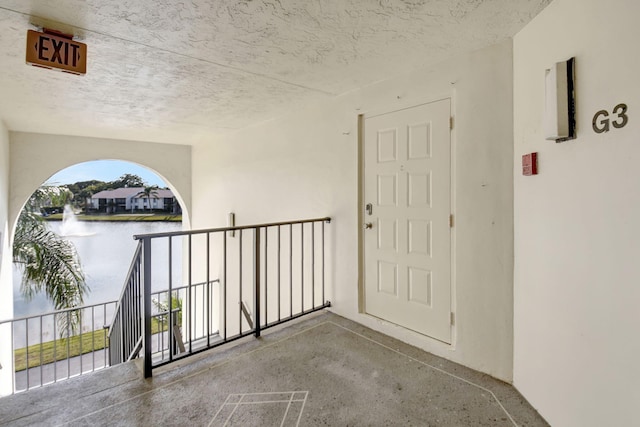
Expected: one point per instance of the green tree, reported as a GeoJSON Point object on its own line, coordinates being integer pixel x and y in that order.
{"type": "Point", "coordinates": [49, 264]}
{"type": "Point", "coordinates": [127, 180]}
{"type": "Point", "coordinates": [51, 195]}
{"type": "Point", "coordinates": [83, 190]}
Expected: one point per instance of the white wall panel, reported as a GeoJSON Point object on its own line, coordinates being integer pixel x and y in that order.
{"type": "Point", "coordinates": [576, 223]}
{"type": "Point", "coordinates": [306, 165]}
{"type": "Point", "coordinates": [6, 258]}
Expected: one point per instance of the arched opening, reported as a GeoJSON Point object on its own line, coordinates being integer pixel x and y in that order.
{"type": "Point", "coordinates": [98, 206]}
{"type": "Point", "coordinates": [36, 157]}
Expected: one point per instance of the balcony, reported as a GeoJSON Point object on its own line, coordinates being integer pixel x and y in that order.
{"type": "Point", "coordinates": [318, 370]}
{"type": "Point", "coordinates": [186, 292]}
{"type": "Point", "coordinates": [210, 347]}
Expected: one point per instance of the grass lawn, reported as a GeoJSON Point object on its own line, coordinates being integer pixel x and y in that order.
{"type": "Point", "coordinates": [91, 341]}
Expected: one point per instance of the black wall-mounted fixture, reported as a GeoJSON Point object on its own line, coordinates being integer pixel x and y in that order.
{"type": "Point", "coordinates": [560, 105]}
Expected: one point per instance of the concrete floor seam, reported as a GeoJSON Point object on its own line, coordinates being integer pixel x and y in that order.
{"type": "Point", "coordinates": [218, 412]}
{"type": "Point", "coordinates": [169, 384]}
{"type": "Point", "coordinates": [267, 346]}
{"type": "Point", "coordinates": [239, 403]}
{"type": "Point", "coordinates": [432, 367]}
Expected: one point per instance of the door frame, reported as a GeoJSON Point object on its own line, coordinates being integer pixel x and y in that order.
{"type": "Point", "coordinates": [361, 218]}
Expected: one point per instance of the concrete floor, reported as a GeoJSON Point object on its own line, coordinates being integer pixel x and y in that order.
{"type": "Point", "coordinates": [321, 371]}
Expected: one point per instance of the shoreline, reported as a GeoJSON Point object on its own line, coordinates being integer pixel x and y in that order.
{"type": "Point", "coordinates": [120, 218]}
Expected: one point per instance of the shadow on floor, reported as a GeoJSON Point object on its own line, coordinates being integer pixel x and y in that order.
{"type": "Point", "coordinates": [320, 371]}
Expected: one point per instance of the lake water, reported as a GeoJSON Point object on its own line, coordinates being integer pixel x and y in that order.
{"type": "Point", "coordinates": [106, 250]}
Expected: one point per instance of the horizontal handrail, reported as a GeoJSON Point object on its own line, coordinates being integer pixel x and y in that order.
{"type": "Point", "coordinates": [221, 229]}
{"type": "Point", "coordinates": [178, 288]}
{"type": "Point", "coordinates": [56, 312]}
{"type": "Point", "coordinates": [274, 272]}
{"type": "Point", "coordinates": [275, 269]}
{"type": "Point", "coordinates": [60, 344]}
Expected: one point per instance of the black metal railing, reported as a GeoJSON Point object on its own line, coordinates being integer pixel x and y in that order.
{"type": "Point", "coordinates": [125, 332]}
{"type": "Point", "coordinates": [233, 282]}
{"type": "Point", "coordinates": [59, 345]}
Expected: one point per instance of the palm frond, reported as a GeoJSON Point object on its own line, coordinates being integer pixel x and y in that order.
{"type": "Point", "coordinates": [49, 264]}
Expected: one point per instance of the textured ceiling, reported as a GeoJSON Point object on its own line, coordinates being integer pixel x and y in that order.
{"type": "Point", "coordinates": [182, 71]}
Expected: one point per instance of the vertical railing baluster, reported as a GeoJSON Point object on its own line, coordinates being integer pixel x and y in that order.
{"type": "Point", "coordinates": [160, 324]}
{"type": "Point", "coordinates": [266, 278]}
{"type": "Point", "coordinates": [224, 282]}
{"type": "Point", "coordinates": [208, 288]}
{"type": "Point", "coordinates": [120, 346]}
{"type": "Point", "coordinates": [122, 327]}
{"type": "Point", "coordinates": [240, 278]}
{"type": "Point", "coordinates": [290, 269]}
{"type": "Point", "coordinates": [80, 338]}
{"type": "Point", "coordinates": [313, 265]}
{"type": "Point", "coordinates": [26, 332]}
{"type": "Point", "coordinates": [68, 344]}
{"type": "Point", "coordinates": [41, 353]}
{"type": "Point", "coordinates": [128, 317]}
{"type": "Point", "coordinates": [204, 303]}
{"type": "Point", "coordinates": [133, 316]}
{"type": "Point", "coordinates": [170, 317]}
{"type": "Point", "coordinates": [191, 305]}
{"type": "Point", "coordinates": [13, 345]}
{"type": "Point", "coordinates": [93, 339]}
{"type": "Point", "coordinates": [199, 294]}
{"type": "Point", "coordinates": [302, 267]}
{"type": "Point", "coordinates": [323, 298]}
{"type": "Point", "coordinates": [104, 335]}
{"type": "Point", "coordinates": [279, 273]}
{"type": "Point", "coordinates": [160, 341]}
{"type": "Point", "coordinates": [125, 325]}
{"type": "Point", "coordinates": [146, 277]}
{"type": "Point", "coordinates": [137, 313]}
{"type": "Point", "coordinates": [256, 278]}
{"type": "Point", "coordinates": [55, 350]}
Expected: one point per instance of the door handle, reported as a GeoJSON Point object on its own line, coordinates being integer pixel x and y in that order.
{"type": "Point", "coordinates": [368, 225]}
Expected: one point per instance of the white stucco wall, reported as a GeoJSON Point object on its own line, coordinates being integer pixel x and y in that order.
{"type": "Point", "coordinates": [306, 165]}
{"type": "Point", "coordinates": [6, 287]}
{"type": "Point", "coordinates": [577, 234]}
{"type": "Point", "coordinates": [36, 157]}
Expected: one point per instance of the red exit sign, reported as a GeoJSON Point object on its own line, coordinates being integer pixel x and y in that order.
{"type": "Point", "coordinates": [56, 51]}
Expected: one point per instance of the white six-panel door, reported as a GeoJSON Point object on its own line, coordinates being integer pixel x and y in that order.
{"type": "Point", "coordinates": [407, 236]}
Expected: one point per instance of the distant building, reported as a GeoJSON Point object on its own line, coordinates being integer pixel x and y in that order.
{"type": "Point", "coordinates": [133, 199]}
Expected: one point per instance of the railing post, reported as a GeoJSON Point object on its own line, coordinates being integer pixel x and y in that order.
{"type": "Point", "coordinates": [123, 347]}
{"type": "Point", "coordinates": [256, 280]}
{"type": "Point", "coordinates": [146, 295]}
